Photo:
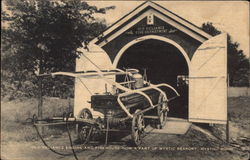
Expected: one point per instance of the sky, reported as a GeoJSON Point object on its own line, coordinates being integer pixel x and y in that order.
{"type": "Point", "coordinates": [228, 16]}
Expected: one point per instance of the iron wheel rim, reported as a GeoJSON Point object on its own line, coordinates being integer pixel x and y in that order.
{"type": "Point", "coordinates": [138, 126]}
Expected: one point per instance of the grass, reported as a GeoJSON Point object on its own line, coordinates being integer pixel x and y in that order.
{"type": "Point", "coordinates": [239, 110]}
{"type": "Point", "coordinates": [238, 116]}
{"type": "Point", "coordinates": [14, 115]}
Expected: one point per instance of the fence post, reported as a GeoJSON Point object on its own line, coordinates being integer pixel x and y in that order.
{"type": "Point", "coordinates": [227, 125]}
{"type": "Point", "coordinates": [40, 104]}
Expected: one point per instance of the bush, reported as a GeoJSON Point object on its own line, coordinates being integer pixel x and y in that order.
{"type": "Point", "coordinates": [27, 87]}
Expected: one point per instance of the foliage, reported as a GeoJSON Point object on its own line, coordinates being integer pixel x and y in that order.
{"type": "Point", "coordinates": [238, 64]}
{"type": "Point", "coordinates": [43, 36]}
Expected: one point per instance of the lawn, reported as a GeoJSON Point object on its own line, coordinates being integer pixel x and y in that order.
{"type": "Point", "coordinates": [14, 115]}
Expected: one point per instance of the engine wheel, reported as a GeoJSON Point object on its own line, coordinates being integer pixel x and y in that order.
{"type": "Point", "coordinates": [84, 130]}
{"type": "Point", "coordinates": [162, 111]}
{"type": "Point", "coordinates": [138, 127]}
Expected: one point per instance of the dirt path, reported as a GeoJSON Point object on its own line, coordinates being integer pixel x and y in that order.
{"type": "Point", "coordinates": [193, 145]}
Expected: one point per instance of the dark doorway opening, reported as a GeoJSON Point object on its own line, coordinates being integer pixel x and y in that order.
{"type": "Point", "coordinates": [164, 63]}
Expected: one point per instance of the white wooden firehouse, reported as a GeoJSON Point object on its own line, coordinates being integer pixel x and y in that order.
{"type": "Point", "coordinates": [171, 50]}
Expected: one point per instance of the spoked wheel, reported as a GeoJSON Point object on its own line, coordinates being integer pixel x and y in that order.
{"type": "Point", "coordinates": [84, 130]}
{"type": "Point", "coordinates": [162, 111]}
{"type": "Point", "coordinates": [138, 127]}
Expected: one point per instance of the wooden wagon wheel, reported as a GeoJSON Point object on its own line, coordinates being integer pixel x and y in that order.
{"type": "Point", "coordinates": [162, 111]}
{"type": "Point", "coordinates": [83, 130]}
{"type": "Point", "coordinates": [138, 127]}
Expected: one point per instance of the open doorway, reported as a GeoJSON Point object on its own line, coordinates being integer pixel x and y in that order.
{"type": "Point", "coordinates": [164, 63]}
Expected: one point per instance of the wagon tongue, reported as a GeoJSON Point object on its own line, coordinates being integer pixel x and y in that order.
{"type": "Point", "coordinates": [45, 122]}
{"type": "Point", "coordinates": [82, 121]}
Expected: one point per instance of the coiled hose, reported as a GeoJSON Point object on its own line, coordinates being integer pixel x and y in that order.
{"type": "Point", "coordinates": [34, 120]}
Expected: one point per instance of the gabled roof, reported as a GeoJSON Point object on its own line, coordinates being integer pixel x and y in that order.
{"type": "Point", "coordinates": [165, 15]}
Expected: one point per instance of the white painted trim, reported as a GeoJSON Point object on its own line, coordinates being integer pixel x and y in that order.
{"type": "Point", "coordinates": [171, 15]}
{"type": "Point", "coordinates": [122, 30]}
{"type": "Point", "coordinates": [121, 22]}
{"type": "Point", "coordinates": [180, 27]}
{"type": "Point", "coordinates": [181, 21]}
{"type": "Point", "coordinates": [159, 15]}
{"type": "Point", "coordinates": [213, 121]}
{"type": "Point", "coordinates": [143, 38]}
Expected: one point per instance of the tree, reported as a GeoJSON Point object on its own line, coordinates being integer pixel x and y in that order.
{"type": "Point", "coordinates": [44, 35]}
{"type": "Point", "coordinates": [238, 64]}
